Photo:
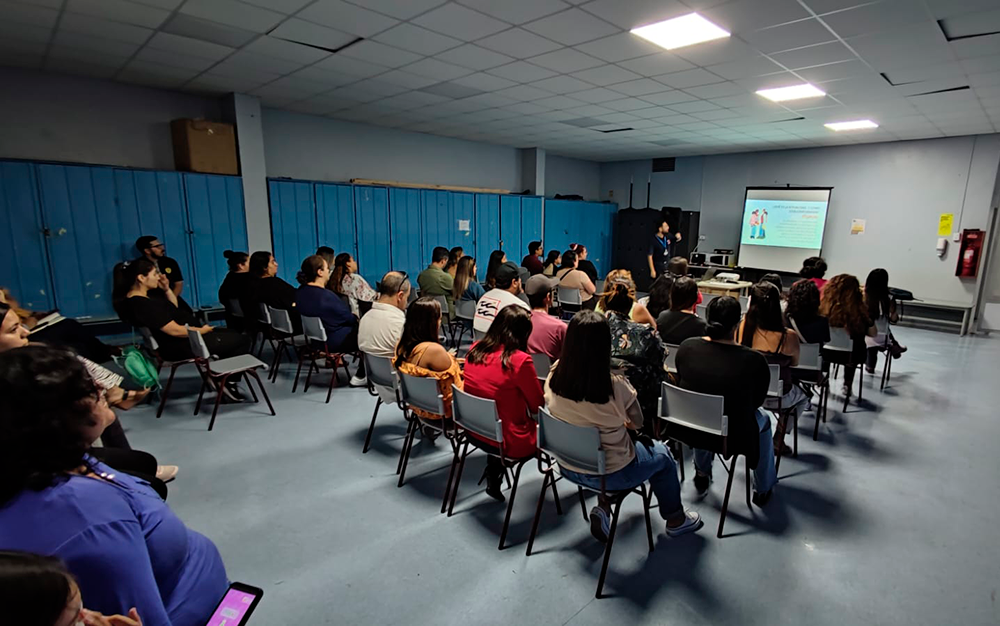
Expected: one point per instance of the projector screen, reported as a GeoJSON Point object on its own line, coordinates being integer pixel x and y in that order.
{"type": "Point", "coordinates": [782, 226]}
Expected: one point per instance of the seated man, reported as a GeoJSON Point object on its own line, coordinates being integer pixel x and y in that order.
{"type": "Point", "coordinates": [434, 281]}
{"type": "Point", "coordinates": [681, 322]}
{"type": "Point", "coordinates": [381, 327]}
{"type": "Point", "coordinates": [508, 286]}
{"type": "Point", "coordinates": [547, 331]}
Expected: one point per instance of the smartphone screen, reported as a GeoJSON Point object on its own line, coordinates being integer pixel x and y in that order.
{"type": "Point", "coordinates": [235, 607]}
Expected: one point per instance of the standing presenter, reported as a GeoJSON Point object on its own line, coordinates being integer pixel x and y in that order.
{"type": "Point", "coordinates": [659, 248]}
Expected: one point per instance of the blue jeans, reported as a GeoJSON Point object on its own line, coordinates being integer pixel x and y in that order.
{"type": "Point", "coordinates": [764, 475]}
{"type": "Point", "coordinates": [653, 463]}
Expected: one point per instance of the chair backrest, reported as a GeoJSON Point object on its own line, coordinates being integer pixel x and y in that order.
{"type": "Point", "coordinates": [445, 307]}
{"type": "Point", "coordinates": [702, 310]}
{"type": "Point", "coordinates": [421, 392]}
{"type": "Point", "coordinates": [263, 314]}
{"type": "Point", "coordinates": [671, 360]}
{"type": "Point", "coordinates": [198, 347]}
{"type": "Point", "coordinates": [363, 307]}
{"type": "Point", "coordinates": [809, 358]}
{"type": "Point", "coordinates": [234, 308]}
{"type": "Point", "coordinates": [708, 297]}
{"type": "Point", "coordinates": [148, 339]}
{"type": "Point", "coordinates": [580, 446]}
{"type": "Point", "coordinates": [699, 411]}
{"type": "Point", "coordinates": [798, 332]}
{"type": "Point", "coordinates": [281, 321]}
{"type": "Point", "coordinates": [840, 340]}
{"type": "Point", "coordinates": [570, 295]}
{"type": "Point", "coordinates": [542, 364]}
{"type": "Point", "coordinates": [776, 388]}
{"type": "Point", "coordinates": [744, 303]}
{"type": "Point", "coordinates": [379, 370]}
{"type": "Point", "coordinates": [477, 415]}
{"type": "Point", "coordinates": [882, 325]}
{"type": "Point", "coordinates": [465, 309]}
{"type": "Point", "coordinates": [313, 329]}
{"type": "Point", "coordinates": [346, 299]}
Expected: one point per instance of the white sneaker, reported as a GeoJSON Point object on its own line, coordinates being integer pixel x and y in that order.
{"type": "Point", "coordinates": [166, 473]}
{"type": "Point", "coordinates": [692, 522]}
{"type": "Point", "coordinates": [359, 382]}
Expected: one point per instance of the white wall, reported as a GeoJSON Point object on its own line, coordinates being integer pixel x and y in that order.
{"type": "Point", "coordinates": [900, 188]}
{"type": "Point", "coordinates": [320, 148]}
{"type": "Point", "coordinates": [567, 176]}
{"type": "Point", "coordinates": [63, 118]}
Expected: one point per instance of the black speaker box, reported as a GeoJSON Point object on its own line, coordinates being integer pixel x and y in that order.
{"type": "Point", "coordinates": [633, 231]}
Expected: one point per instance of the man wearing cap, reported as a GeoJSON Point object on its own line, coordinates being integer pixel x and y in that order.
{"type": "Point", "coordinates": [547, 331]}
{"type": "Point", "coordinates": [508, 286]}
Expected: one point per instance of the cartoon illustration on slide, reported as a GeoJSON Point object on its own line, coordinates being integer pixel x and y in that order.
{"type": "Point", "coordinates": [754, 220]}
{"type": "Point", "coordinates": [763, 220]}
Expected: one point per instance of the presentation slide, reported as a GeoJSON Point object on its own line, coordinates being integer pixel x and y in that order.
{"type": "Point", "coordinates": [781, 227]}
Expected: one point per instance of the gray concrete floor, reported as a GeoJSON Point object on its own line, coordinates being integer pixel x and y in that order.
{"type": "Point", "coordinates": [890, 518]}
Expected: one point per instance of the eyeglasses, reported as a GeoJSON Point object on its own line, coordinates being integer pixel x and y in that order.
{"type": "Point", "coordinates": [157, 245]}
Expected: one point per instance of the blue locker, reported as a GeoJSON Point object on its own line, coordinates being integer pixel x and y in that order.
{"type": "Point", "coordinates": [463, 215]}
{"type": "Point", "coordinates": [335, 218]}
{"type": "Point", "coordinates": [371, 208]}
{"type": "Point", "coordinates": [24, 264]}
{"type": "Point", "coordinates": [587, 223]}
{"type": "Point", "coordinates": [161, 206]}
{"type": "Point", "coordinates": [293, 225]}
{"type": "Point", "coordinates": [444, 214]}
{"type": "Point", "coordinates": [510, 228]}
{"type": "Point", "coordinates": [406, 232]}
{"type": "Point", "coordinates": [218, 222]}
{"type": "Point", "coordinates": [531, 222]}
{"type": "Point", "coordinates": [487, 228]}
{"type": "Point", "coordinates": [600, 235]}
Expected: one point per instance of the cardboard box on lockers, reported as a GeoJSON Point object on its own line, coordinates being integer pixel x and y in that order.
{"type": "Point", "coordinates": [206, 147]}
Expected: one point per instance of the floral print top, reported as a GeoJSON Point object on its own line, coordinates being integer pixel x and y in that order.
{"type": "Point", "coordinates": [638, 350]}
{"type": "Point", "coordinates": [357, 288]}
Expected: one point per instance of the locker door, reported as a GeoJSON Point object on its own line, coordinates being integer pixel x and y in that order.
{"type": "Point", "coordinates": [371, 206]}
{"type": "Point", "coordinates": [406, 232]}
{"type": "Point", "coordinates": [510, 228]}
{"type": "Point", "coordinates": [218, 222]}
{"type": "Point", "coordinates": [531, 222]}
{"type": "Point", "coordinates": [463, 215]}
{"type": "Point", "coordinates": [293, 225]}
{"type": "Point", "coordinates": [560, 227]}
{"type": "Point", "coordinates": [335, 218]}
{"type": "Point", "coordinates": [487, 228]}
{"type": "Point", "coordinates": [600, 235]}
{"type": "Point", "coordinates": [160, 203]}
{"type": "Point", "coordinates": [24, 264]}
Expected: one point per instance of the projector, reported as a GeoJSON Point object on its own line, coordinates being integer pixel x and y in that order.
{"type": "Point", "coordinates": [728, 277]}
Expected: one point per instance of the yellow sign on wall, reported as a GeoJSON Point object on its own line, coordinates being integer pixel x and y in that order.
{"type": "Point", "coordinates": [945, 224]}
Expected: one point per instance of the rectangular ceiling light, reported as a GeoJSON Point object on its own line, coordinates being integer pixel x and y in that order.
{"type": "Point", "coordinates": [680, 31]}
{"type": "Point", "coordinates": [795, 92]}
{"type": "Point", "coordinates": [853, 125]}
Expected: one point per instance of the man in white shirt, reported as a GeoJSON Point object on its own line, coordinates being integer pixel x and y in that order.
{"type": "Point", "coordinates": [380, 329]}
{"type": "Point", "coordinates": [508, 286]}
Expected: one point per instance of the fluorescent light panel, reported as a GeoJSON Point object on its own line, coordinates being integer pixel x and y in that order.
{"type": "Point", "coordinates": [681, 31]}
{"type": "Point", "coordinates": [852, 125]}
{"type": "Point", "coordinates": [794, 92]}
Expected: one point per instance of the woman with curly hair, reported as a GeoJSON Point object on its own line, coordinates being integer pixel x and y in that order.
{"type": "Point", "coordinates": [844, 307]}
{"type": "Point", "coordinates": [802, 313]}
{"type": "Point", "coordinates": [639, 313]}
{"type": "Point", "coordinates": [119, 539]}
{"type": "Point", "coordinates": [636, 348]}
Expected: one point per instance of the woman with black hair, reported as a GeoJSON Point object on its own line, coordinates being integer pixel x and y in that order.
{"type": "Point", "coordinates": [717, 365]}
{"type": "Point", "coordinates": [419, 353]}
{"type": "Point", "coordinates": [38, 590]}
{"type": "Point", "coordinates": [636, 348]}
{"type": "Point", "coordinates": [454, 256]}
{"type": "Point", "coordinates": [313, 299]}
{"type": "Point", "coordinates": [551, 263]}
{"type": "Point", "coordinates": [681, 321]}
{"type": "Point", "coordinates": [802, 313]}
{"type": "Point", "coordinates": [237, 286]}
{"type": "Point", "coordinates": [880, 307]}
{"type": "Point", "coordinates": [659, 295]}
{"type": "Point", "coordinates": [581, 390]}
{"type": "Point", "coordinates": [121, 541]}
{"type": "Point", "coordinates": [572, 278]}
{"type": "Point", "coordinates": [582, 263]}
{"type": "Point", "coordinates": [497, 258]}
{"type": "Point", "coordinates": [344, 280]}
{"type": "Point", "coordinates": [814, 269]}
{"type": "Point", "coordinates": [498, 367]}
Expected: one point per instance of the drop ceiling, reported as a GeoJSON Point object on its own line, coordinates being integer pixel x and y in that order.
{"type": "Point", "coordinates": [556, 74]}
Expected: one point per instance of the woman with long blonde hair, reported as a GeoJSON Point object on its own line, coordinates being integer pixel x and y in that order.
{"type": "Point", "coordinates": [639, 313]}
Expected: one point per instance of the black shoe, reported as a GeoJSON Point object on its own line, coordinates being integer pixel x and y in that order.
{"type": "Point", "coordinates": [494, 483]}
{"type": "Point", "coordinates": [760, 499]}
{"type": "Point", "coordinates": [701, 483]}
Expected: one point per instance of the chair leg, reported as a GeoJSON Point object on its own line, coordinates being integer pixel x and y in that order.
{"type": "Point", "coordinates": [555, 496]}
{"type": "Point", "coordinates": [746, 464]}
{"type": "Point", "coordinates": [368, 437]}
{"type": "Point", "coordinates": [510, 504]}
{"type": "Point", "coordinates": [399, 464]}
{"type": "Point", "coordinates": [795, 433]}
{"type": "Point", "coordinates": [166, 390]}
{"type": "Point", "coordinates": [538, 512]}
{"type": "Point", "coordinates": [312, 364]}
{"type": "Point", "coordinates": [262, 390]}
{"type": "Point", "coordinates": [646, 497]}
{"type": "Point", "coordinates": [777, 455]}
{"type": "Point", "coordinates": [253, 394]}
{"type": "Point", "coordinates": [583, 503]}
{"type": "Point", "coordinates": [725, 500]}
{"type": "Point", "coordinates": [201, 392]}
{"type": "Point", "coordinates": [861, 381]}
{"type": "Point", "coordinates": [218, 401]}
{"type": "Point", "coordinates": [680, 453]}
{"type": "Point", "coordinates": [298, 371]}
{"type": "Point", "coordinates": [459, 452]}
{"type": "Point", "coordinates": [820, 408]}
{"type": "Point", "coordinates": [405, 453]}
{"type": "Point", "coordinates": [333, 383]}
{"type": "Point", "coordinates": [607, 549]}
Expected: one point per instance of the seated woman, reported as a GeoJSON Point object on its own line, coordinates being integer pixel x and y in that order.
{"type": "Point", "coordinates": [466, 287]}
{"type": "Point", "coordinates": [345, 281]}
{"type": "Point", "coordinates": [499, 368]}
{"type": "Point", "coordinates": [717, 365]}
{"type": "Point", "coordinates": [814, 269]}
{"type": "Point", "coordinates": [658, 299]}
{"type": "Point", "coordinates": [582, 263]}
{"type": "Point", "coordinates": [64, 333]}
{"type": "Point", "coordinates": [639, 313]}
{"type": "Point", "coordinates": [551, 263]}
{"type": "Point", "coordinates": [636, 349]}
{"type": "Point", "coordinates": [802, 313]}
{"type": "Point", "coordinates": [236, 286]}
{"type": "Point", "coordinates": [681, 322]}
{"type": "Point", "coordinates": [844, 306]}
{"type": "Point", "coordinates": [313, 299]}
{"type": "Point", "coordinates": [164, 319]}
{"type": "Point", "coordinates": [880, 307]}
{"type": "Point", "coordinates": [271, 290]}
{"type": "Point", "coordinates": [572, 278]}
{"type": "Point", "coordinates": [40, 591]}
{"type": "Point", "coordinates": [454, 256]}
{"type": "Point", "coordinates": [582, 391]}
{"type": "Point", "coordinates": [121, 541]}
{"type": "Point", "coordinates": [419, 352]}
{"type": "Point", "coordinates": [497, 258]}
{"type": "Point", "coordinates": [764, 330]}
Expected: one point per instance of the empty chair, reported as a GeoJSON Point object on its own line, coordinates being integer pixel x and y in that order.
{"type": "Point", "coordinates": [670, 362]}
{"type": "Point", "coordinates": [218, 372]}
{"type": "Point", "coordinates": [570, 300]}
{"type": "Point", "coordinates": [383, 385]}
{"type": "Point", "coordinates": [154, 349]}
{"type": "Point", "coordinates": [421, 393]}
{"type": "Point", "coordinates": [465, 312]}
{"type": "Point", "coordinates": [283, 335]}
{"type": "Point", "coordinates": [580, 446]}
{"type": "Point", "coordinates": [315, 347]}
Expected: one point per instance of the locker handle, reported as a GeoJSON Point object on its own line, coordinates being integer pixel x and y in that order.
{"type": "Point", "coordinates": [46, 232]}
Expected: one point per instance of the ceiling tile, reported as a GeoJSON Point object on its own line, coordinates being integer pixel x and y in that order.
{"type": "Point", "coordinates": [406, 79]}
{"type": "Point", "coordinates": [347, 17]}
{"type": "Point", "coordinates": [232, 13]}
{"type": "Point", "coordinates": [606, 75]}
{"type": "Point", "coordinates": [693, 106]}
{"type": "Point", "coordinates": [439, 70]}
{"type": "Point", "coordinates": [379, 53]}
{"type": "Point", "coordinates": [746, 68]}
{"type": "Point", "coordinates": [174, 59]}
{"type": "Point", "coordinates": [239, 72]}
{"type": "Point", "coordinates": [629, 15]}
{"type": "Point", "coordinates": [523, 93]}
{"type": "Point", "coordinates": [809, 56]}
{"type": "Point", "coordinates": [120, 11]}
{"type": "Point", "coordinates": [620, 47]}
{"type": "Point", "coordinates": [370, 89]}
{"type": "Point", "coordinates": [561, 84]}
{"type": "Point", "coordinates": [102, 28]}
{"type": "Point", "coordinates": [215, 83]}
{"type": "Point", "coordinates": [742, 16]}
{"type": "Point", "coordinates": [668, 97]}
{"type": "Point", "coordinates": [17, 38]}
{"type": "Point", "coordinates": [717, 51]}
{"type": "Point", "coordinates": [716, 90]}
{"type": "Point", "coordinates": [834, 71]}
{"type": "Point", "coordinates": [518, 43]}
{"type": "Point", "coordinates": [689, 78]}
{"type": "Point", "coordinates": [788, 36]}
{"type": "Point", "coordinates": [462, 22]}
{"type": "Point", "coordinates": [571, 27]}
{"type": "Point", "coordinates": [474, 57]}
{"type": "Point", "coordinates": [522, 72]}
{"type": "Point", "coordinates": [311, 34]}
{"type": "Point", "coordinates": [287, 50]}
{"type": "Point", "coordinates": [417, 39]}
{"type": "Point", "coordinates": [283, 6]}
{"type": "Point", "coordinates": [985, 45]}
{"type": "Point", "coordinates": [516, 11]}
{"type": "Point", "coordinates": [566, 60]}
{"type": "Point", "coordinates": [319, 75]}
{"type": "Point", "coordinates": [246, 60]}
{"type": "Point", "coordinates": [206, 30]}
{"type": "Point", "coordinates": [154, 74]}
{"type": "Point", "coordinates": [413, 100]}
{"type": "Point", "coordinates": [400, 9]}
{"type": "Point", "coordinates": [452, 90]}
{"type": "Point", "coordinates": [922, 43]}
{"type": "Point", "coordinates": [73, 65]}
{"type": "Point", "coordinates": [484, 82]}
{"type": "Point", "coordinates": [186, 45]}
{"type": "Point", "coordinates": [27, 14]}
{"type": "Point", "coordinates": [875, 17]}
{"type": "Point", "coordinates": [656, 64]}
{"type": "Point", "coordinates": [639, 87]}
{"type": "Point", "coordinates": [598, 95]}
{"type": "Point", "coordinates": [352, 67]}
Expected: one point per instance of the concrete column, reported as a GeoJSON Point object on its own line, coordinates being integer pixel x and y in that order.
{"type": "Point", "coordinates": [244, 111]}
{"type": "Point", "coordinates": [533, 170]}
